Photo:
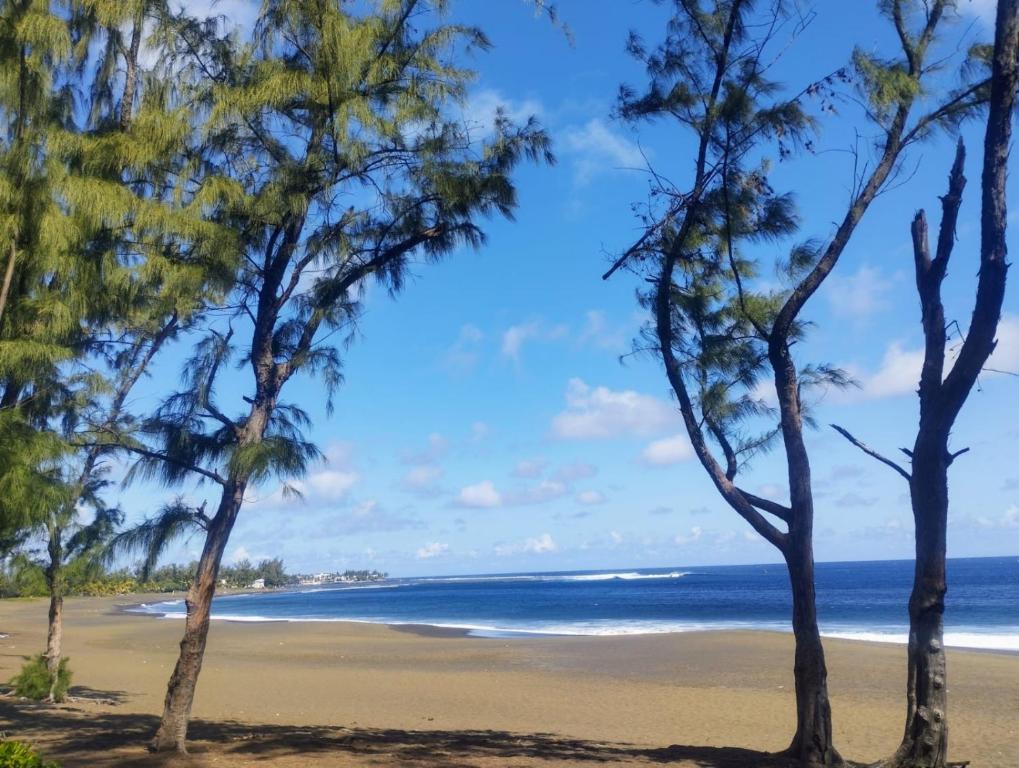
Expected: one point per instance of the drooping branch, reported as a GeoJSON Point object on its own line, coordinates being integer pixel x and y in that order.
{"type": "Point", "coordinates": [871, 452]}
{"type": "Point", "coordinates": [157, 456]}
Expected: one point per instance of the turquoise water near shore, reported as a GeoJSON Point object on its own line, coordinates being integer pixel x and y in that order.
{"type": "Point", "coordinates": [860, 600]}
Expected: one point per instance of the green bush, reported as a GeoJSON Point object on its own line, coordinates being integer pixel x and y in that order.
{"type": "Point", "coordinates": [33, 682]}
{"type": "Point", "coordinates": [17, 754]}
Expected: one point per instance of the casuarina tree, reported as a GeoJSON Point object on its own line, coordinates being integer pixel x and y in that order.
{"type": "Point", "coordinates": [717, 335]}
{"type": "Point", "coordinates": [341, 125]}
{"type": "Point", "coordinates": [943, 389]}
{"type": "Point", "coordinates": [114, 254]}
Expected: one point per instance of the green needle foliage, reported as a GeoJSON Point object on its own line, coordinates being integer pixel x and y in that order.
{"type": "Point", "coordinates": [107, 214]}
{"type": "Point", "coordinates": [336, 133]}
{"type": "Point", "coordinates": [719, 335]}
{"type": "Point", "coordinates": [33, 681]}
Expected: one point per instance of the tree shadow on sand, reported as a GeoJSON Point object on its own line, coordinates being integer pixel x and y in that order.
{"type": "Point", "coordinates": [77, 738]}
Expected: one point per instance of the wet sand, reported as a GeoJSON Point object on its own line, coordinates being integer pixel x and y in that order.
{"type": "Point", "coordinates": [345, 694]}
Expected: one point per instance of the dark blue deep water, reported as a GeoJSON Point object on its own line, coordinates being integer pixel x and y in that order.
{"type": "Point", "coordinates": [865, 600]}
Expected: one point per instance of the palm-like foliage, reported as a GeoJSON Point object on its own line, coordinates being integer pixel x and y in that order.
{"type": "Point", "coordinates": [153, 536]}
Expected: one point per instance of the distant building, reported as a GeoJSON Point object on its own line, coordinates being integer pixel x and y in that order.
{"type": "Point", "coordinates": [257, 584]}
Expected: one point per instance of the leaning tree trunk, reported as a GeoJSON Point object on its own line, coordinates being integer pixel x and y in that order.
{"type": "Point", "coordinates": [812, 744]}
{"type": "Point", "coordinates": [180, 692]}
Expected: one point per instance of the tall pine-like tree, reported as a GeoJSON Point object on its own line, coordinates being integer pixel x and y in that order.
{"type": "Point", "coordinates": [115, 254]}
{"type": "Point", "coordinates": [717, 336]}
{"type": "Point", "coordinates": [340, 125]}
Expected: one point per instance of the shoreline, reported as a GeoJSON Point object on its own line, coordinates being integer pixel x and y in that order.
{"type": "Point", "coordinates": [342, 694]}
{"type": "Point", "coordinates": [444, 629]}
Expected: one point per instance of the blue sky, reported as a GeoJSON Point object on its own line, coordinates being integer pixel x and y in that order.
{"type": "Point", "coordinates": [487, 424]}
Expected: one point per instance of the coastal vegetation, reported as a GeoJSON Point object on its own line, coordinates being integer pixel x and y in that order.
{"type": "Point", "coordinates": [85, 576]}
{"type": "Point", "coordinates": [720, 336]}
{"type": "Point", "coordinates": [17, 754]}
{"type": "Point", "coordinates": [164, 182]}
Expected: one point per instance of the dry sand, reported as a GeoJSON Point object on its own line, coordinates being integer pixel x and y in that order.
{"type": "Point", "coordinates": [343, 694]}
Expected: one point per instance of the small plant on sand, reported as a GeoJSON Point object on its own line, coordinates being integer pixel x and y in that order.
{"type": "Point", "coordinates": [18, 754]}
{"type": "Point", "coordinates": [34, 682]}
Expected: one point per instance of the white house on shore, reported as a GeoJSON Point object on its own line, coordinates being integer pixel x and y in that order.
{"type": "Point", "coordinates": [257, 584]}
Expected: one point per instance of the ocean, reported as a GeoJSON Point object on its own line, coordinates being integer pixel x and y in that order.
{"type": "Point", "coordinates": [857, 600]}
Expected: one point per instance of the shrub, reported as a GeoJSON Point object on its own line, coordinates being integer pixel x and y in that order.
{"type": "Point", "coordinates": [17, 754]}
{"type": "Point", "coordinates": [33, 682]}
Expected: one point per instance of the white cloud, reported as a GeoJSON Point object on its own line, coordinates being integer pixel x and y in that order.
{"type": "Point", "coordinates": [422, 480]}
{"type": "Point", "coordinates": [333, 484]}
{"type": "Point", "coordinates": [578, 470]}
{"type": "Point", "coordinates": [1006, 353]}
{"type": "Point", "coordinates": [599, 412]}
{"type": "Point", "coordinates": [540, 545]}
{"type": "Point", "coordinates": [233, 14]}
{"type": "Point", "coordinates": [899, 371]}
{"type": "Point", "coordinates": [546, 490]}
{"type": "Point", "coordinates": [590, 498]}
{"type": "Point", "coordinates": [483, 105]}
{"type": "Point", "coordinates": [370, 517]}
{"type": "Point", "coordinates": [241, 553]}
{"type": "Point", "coordinates": [529, 468]}
{"type": "Point", "coordinates": [598, 333]}
{"type": "Point", "coordinates": [463, 355]}
{"type": "Point", "coordinates": [514, 337]}
{"type": "Point", "coordinates": [1008, 519]}
{"type": "Point", "coordinates": [479, 431]}
{"type": "Point", "coordinates": [898, 374]}
{"type": "Point", "coordinates": [667, 451]}
{"type": "Point", "coordinates": [438, 447]}
{"type": "Point", "coordinates": [481, 495]}
{"type": "Point", "coordinates": [689, 538]}
{"type": "Point", "coordinates": [859, 296]}
{"type": "Point", "coordinates": [435, 549]}
{"type": "Point", "coordinates": [597, 149]}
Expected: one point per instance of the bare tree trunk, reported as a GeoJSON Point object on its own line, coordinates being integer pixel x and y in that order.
{"type": "Point", "coordinates": [812, 744]}
{"type": "Point", "coordinates": [54, 636]}
{"type": "Point", "coordinates": [5, 289]}
{"type": "Point", "coordinates": [180, 692]}
{"type": "Point", "coordinates": [55, 628]}
{"type": "Point", "coordinates": [925, 740]}
{"type": "Point", "coordinates": [131, 73]}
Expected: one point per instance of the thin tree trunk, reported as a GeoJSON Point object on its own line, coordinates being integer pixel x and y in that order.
{"type": "Point", "coordinates": [131, 74]}
{"type": "Point", "coordinates": [180, 693]}
{"type": "Point", "coordinates": [55, 628]}
{"type": "Point", "coordinates": [925, 740]}
{"type": "Point", "coordinates": [812, 744]}
{"type": "Point", "coordinates": [8, 277]}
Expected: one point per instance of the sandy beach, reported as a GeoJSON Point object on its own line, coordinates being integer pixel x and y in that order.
{"type": "Point", "coordinates": [344, 694]}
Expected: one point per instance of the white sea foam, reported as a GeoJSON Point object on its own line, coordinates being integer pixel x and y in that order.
{"type": "Point", "coordinates": [624, 576]}
{"type": "Point", "coordinates": [997, 641]}
{"type": "Point", "coordinates": [992, 641]}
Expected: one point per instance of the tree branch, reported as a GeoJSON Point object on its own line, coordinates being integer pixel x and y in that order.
{"type": "Point", "coordinates": [871, 452]}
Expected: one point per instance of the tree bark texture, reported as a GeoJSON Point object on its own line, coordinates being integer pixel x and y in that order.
{"type": "Point", "coordinates": [180, 693]}
{"type": "Point", "coordinates": [925, 738]}
{"type": "Point", "coordinates": [55, 627]}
